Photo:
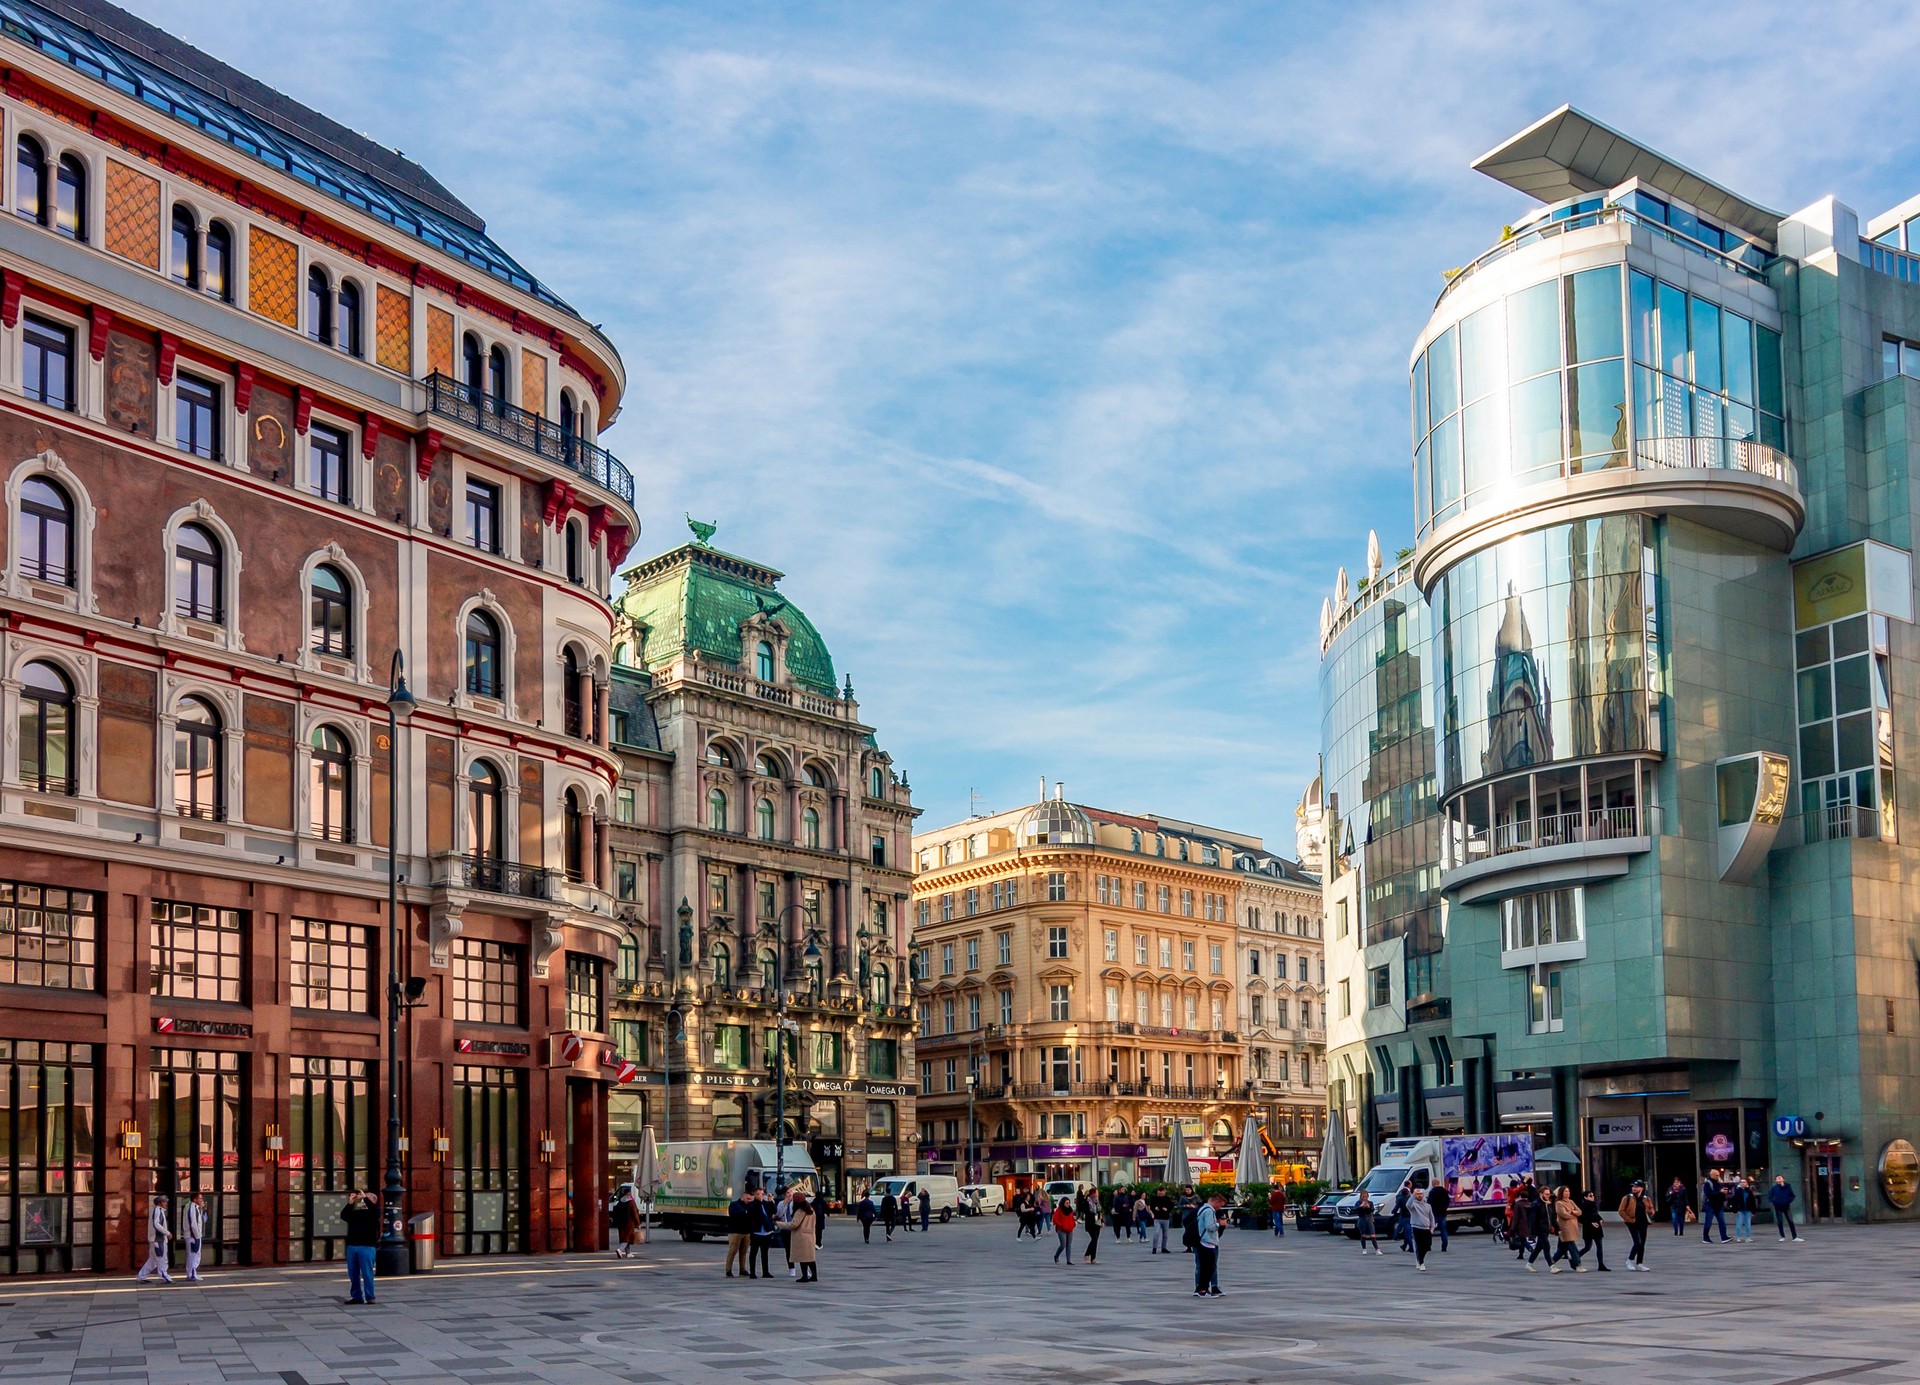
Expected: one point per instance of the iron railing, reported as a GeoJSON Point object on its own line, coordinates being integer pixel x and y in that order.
{"type": "Point", "coordinates": [475, 408]}
{"type": "Point", "coordinates": [491, 876]}
{"type": "Point", "coordinates": [1157, 1091]}
{"type": "Point", "coordinates": [1721, 454]}
{"type": "Point", "coordinates": [1839, 822]}
{"type": "Point", "coordinates": [1549, 829]}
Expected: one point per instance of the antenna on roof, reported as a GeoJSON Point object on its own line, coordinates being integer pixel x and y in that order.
{"type": "Point", "coordinates": [973, 803]}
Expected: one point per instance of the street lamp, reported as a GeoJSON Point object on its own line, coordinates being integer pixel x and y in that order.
{"type": "Point", "coordinates": [391, 1257]}
{"type": "Point", "coordinates": [972, 1082]}
{"type": "Point", "coordinates": [769, 930]}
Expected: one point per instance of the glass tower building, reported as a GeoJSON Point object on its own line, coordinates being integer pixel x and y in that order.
{"type": "Point", "coordinates": [1663, 585]}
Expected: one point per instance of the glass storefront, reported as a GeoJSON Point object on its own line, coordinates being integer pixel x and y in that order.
{"type": "Point", "coordinates": [485, 1178]}
{"type": "Point", "coordinates": [196, 1143]}
{"type": "Point", "coordinates": [328, 1142]}
{"type": "Point", "coordinates": [49, 1155]}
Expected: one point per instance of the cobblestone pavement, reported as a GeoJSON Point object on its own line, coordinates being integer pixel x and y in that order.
{"type": "Point", "coordinates": [968, 1303]}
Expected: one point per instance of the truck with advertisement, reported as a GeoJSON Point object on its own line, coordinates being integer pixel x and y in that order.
{"type": "Point", "coordinates": [700, 1177]}
{"type": "Point", "coordinates": [1476, 1171]}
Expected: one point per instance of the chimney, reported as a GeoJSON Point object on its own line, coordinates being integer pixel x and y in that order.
{"type": "Point", "coordinates": [1060, 790]}
{"type": "Point", "coordinates": [1043, 788]}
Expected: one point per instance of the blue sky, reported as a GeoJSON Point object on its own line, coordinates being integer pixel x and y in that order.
{"type": "Point", "coordinates": [1055, 352]}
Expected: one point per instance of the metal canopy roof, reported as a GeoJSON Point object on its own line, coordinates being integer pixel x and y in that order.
{"type": "Point", "coordinates": [1568, 153]}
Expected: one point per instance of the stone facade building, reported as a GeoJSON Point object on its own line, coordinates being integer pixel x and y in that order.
{"type": "Point", "coordinates": [762, 836]}
{"type": "Point", "coordinates": [275, 411]}
{"type": "Point", "coordinates": [1281, 974]}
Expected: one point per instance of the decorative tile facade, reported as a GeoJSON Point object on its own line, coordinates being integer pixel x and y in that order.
{"type": "Point", "coordinates": [273, 277]}
{"type": "Point", "coordinates": [393, 330]}
{"type": "Point", "coordinates": [439, 341]}
{"type": "Point", "coordinates": [133, 214]}
{"type": "Point", "coordinates": [533, 381]}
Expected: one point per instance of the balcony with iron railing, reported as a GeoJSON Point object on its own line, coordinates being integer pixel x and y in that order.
{"type": "Point", "coordinates": [473, 407]}
{"type": "Point", "coordinates": [1144, 1091]}
{"type": "Point", "coordinates": [1839, 822]}
{"type": "Point", "coordinates": [1519, 832]}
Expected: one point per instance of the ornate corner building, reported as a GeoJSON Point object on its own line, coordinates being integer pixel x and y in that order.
{"type": "Point", "coordinates": [760, 838]}
{"type": "Point", "coordinates": [1080, 992]}
{"type": "Point", "coordinates": [276, 411]}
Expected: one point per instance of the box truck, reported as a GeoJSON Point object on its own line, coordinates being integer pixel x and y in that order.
{"type": "Point", "coordinates": [702, 1176]}
{"type": "Point", "coordinates": [1476, 1170]}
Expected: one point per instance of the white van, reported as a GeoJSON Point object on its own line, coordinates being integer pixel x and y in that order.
{"type": "Point", "coordinates": [984, 1198]}
{"type": "Point", "coordinates": [1061, 1188]}
{"type": "Point", "coordinates": [943, 1192]}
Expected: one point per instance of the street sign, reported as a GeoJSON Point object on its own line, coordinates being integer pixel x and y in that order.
{"type": "Point", "coordinates": [1789, 1127]}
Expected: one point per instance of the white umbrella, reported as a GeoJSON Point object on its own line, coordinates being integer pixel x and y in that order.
{"type": "Point", "coordinates": [1333, 1154]}
{"type": "Point", "coordinates": [1251, 1166]}
{"type": "Point", "coordinates": [1178, 1170]}
{"type": "Point", "coordinates": [646, 1169]}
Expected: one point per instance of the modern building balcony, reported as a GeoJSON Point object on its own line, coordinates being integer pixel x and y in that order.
{"type": "Point", "coordinates": [528, 432]}
{"type": "Point", "coordinates": [1840, 822]}
{"type": "Point", "coordinates": [1541, 828]}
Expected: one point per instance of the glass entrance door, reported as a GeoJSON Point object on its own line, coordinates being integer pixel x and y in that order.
{"type": "Point", "coordinates": [1823, 1199]}
{"type": "Point", "coordinates": [47, 1157]}
{"type": "Point", "coordinates": [329, 1137]}
{"type": "Point", "coordinates": [195, 1143]}
{"type": "Point", "coordinates": [486, 1181]}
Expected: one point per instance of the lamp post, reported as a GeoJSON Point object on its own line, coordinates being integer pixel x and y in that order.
{"type": "Point", "coordinates": [769, 929]}
{"type": "Point", "coordinates": [391, 1257]}
{"type": "Point", "coordinates": [972, 1082]}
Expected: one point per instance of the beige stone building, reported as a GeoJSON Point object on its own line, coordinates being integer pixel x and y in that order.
{"type": "Point", "coordinates": [1282, 980]}
{"type": "Point", "coordinates": [1081, 966]}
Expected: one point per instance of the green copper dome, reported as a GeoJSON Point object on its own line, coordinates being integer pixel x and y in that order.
{"type": "Point", "coordinates": [697, 597]}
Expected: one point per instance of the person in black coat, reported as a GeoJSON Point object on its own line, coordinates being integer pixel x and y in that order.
{"type": "Point", "coordinates": [866, 1212]}
{"type": "Point", "coordinates": [1439, 1199]}
{"type": "Point", "coordinates": [889, 1212]}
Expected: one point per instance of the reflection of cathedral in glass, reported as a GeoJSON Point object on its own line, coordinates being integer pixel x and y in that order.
{"type": "Point", "coordinates": [1519, 703]}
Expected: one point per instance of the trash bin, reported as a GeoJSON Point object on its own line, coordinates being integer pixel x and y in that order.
{"type": "Point", "coordinates": [421, 1242]}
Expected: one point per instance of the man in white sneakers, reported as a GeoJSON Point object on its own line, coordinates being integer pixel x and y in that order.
{"type": "Point", "coordinates": [159, 1237]}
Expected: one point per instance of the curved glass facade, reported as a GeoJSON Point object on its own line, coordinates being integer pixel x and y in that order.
{"type": "Point", "coordinates": [1545, 648]}
{"type": "Point", "coordinates": [1377, 735]}
{"type": "Point", "coordinates": [1536, 386]}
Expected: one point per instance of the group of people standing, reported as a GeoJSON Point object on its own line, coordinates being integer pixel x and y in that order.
{"type": "Point", "coordinates": [892, 1212]}
{"type": "Point", "coordinates": [1721, 1193]}
{"type": "Point", "coordinates": [1418, 1216]}
{"type": "Point", "coordinates": [757, 1220]}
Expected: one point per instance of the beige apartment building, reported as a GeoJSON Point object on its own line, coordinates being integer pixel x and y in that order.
{"type": "Point", "coordinates": [1077, 991]}
{"type": "Point", "coordinates": [1282, 992]}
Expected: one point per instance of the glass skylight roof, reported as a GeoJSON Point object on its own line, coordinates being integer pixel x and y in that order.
{"type": "Point", "coordinates": [86, 53]}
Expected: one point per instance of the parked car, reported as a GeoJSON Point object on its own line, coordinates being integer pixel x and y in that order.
{"type": "Point", "coordinates": [1319, 1216]}
{"type": "Point", "coordinates": [977, 1199]}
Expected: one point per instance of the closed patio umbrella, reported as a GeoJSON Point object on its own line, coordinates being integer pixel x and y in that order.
{"type": "Point", "coordinates": [646, 1169]}
{"type": "Point", "coordinates": [1333, 1154]}
{"type": "Point", "coordinates": [1251, 1166]}
{"type": "Point", "coordinates": [1179, 1172]}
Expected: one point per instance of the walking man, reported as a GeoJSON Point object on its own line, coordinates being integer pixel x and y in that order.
{"type": "Point", "coordinates": [1780, 1195]}
{"type": "Point", "coordinates": [764, 1236]}
{"type": "Point", "coordinates": [193, 1225]}
{"type": "Point", "coordinates": [866, 1212]}
{"type": "Point", "coordinates": [1162, 1206]}
{"type": "Point", "coordinates": [159, 1236]}
{"type": "Point", "coordinates": [1593, 1231]}
{"type": "Point", "coordinates": [1636, 1210]}
{"type": "Point", "coordinates": [889, 1213]}
{"type": "Point", "coordinates": [1713, 1208]}
{"type": "Point", "coordinates": [362, 1218]}
{"type": "Point", "coordinates": [1439, 1200]}
{"type": "Point", "coordinates": [1277, 1205]}
{"type": "Point", "coordinates": [1206, 1255]}
{"type": "Point", "coordinates": [1420, 1226]}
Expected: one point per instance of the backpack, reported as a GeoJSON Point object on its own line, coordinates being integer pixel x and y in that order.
{"type": "Point", "coordinates": [1190, 1228]}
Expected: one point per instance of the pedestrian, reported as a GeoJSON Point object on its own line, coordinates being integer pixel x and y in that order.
{"type": "Point", "coordinates": [623, 1215]}
{"type": "Point", "coordinates": [889, 1212]}
{"type": "Point", "coordinates": [362, 1217]}
{"type": "Point", "coordinates": [1142, 1218]}
{"type": "Point", "coordinates": [1210, 1223]}
{"type": "Point", "coordinates": [1540, 1225]}
{"type": "Point", "coordinates": [1400, 1229]}
{"type": "Point", "coordinates": [1420, 1226]}
{"type": "Point", "coordinates": [1090, 1220]}
{"type": "Point", "coordinates": [1636, 1210]}
{"type": "Point", "coordinates": [193, 1227]}
{"type": "Point", "coordinates": [1517, 1218]}
{"type": "Point", "coordinates": [1122, 1215]}
{"type": "Point", "coordinates": [766, 1233]}
{"type": "Point", "coordinates": [926, 1207]}
{"type": "Point", "coordinates": [1161, 1204]}
{"type": "Point", "coordinates": [1277, 1208]}
{"type": "Point", "coordinates": [1593, 1232]}
{"type": "Point", "coordinates": [782, 1214]}
{"type": "Point", "coordinates": [1063, 1229]}
{"type": "Point", "coordinates": [159, 1237]}
{"type": "Point", "coordinates": [741, 1219]}
{"type": "Point", "coordinates": [1677, 1207]}
{"type": "Point", "coordinates": [866, 1212]}
{"type": "Point", "coordinates": [1713, 1207]}
{"type": "Point", "coordinates": [1780, 1195]}
{"type": "Point", "coordinates": [1439, 1199]}
{"type": "Point", "coordinates": [801, 1224]}
{"type": "Point", "coordinates": [1189, 1219]}
{"type": "Point", "coordinates": [1363, 1223]}
{"type": "Point", "coordinates": [1566, 1224]}
{"type": "Point", "coordinates": [1742, 1199]}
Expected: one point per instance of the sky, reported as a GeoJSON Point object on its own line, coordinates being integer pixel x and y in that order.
{"type": "Point", "coordinates": [1056, 353]}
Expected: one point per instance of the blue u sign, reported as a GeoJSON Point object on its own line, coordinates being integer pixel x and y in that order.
{"type": "Point", "coordinates": [1787, 1127]}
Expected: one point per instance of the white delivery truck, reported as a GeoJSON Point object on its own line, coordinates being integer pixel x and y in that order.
{"type": "Point", "coordinates": [943, 1193]}
{"type": "Point", "coordinates": [1476, 1171]}
{"type": "Point", "coordinates": [703, 1176]}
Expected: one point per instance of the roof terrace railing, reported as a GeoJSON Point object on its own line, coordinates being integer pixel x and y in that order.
{"type": "Point", "coordinates": [474, 407]}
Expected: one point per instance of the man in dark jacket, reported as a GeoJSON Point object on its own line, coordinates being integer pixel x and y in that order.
{"type": "Point", "coordinates": [362, 1218]}
{"type": "Point", "coordinates": [1539, 1219]}
{"type": "Point", "coordinates": [1713, 1208]}
{"type": "Point", "coordinates": [889, 1212]}
{"type": "Point", "coordinates": [1439, 1200]}
{"type": "Point", "coordinates": [1402, 1232]}
{"type": "Point", "coordinates": [1162, 1207]}
{"type": "Point", "coordinates": [866, 1212]}
{"type": "Point", "coordinates": [926, 1208]}
{"type": "Point", "coordinates": [1636, 1210]}
{"type": "Point", "coordinates": [1780, 1198]}
{"type": "Point", "coordinates": [740, 1222]}
{"type": "Point", "coordinates": [766, 1233]}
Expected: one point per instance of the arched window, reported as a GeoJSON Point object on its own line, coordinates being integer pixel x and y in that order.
{"type": "Point", "coordinates": [484, 840]}
{"type": "Point", "coordinates": [810, 828]}
{"type": "Point", "coordinates": [471, 369]}
{"type": "Point", "coordinates": [769, 965]}
{"type": "Point", "coordinates": [717, 810]}
{"type": "Point", "coordinates": [497, 379]}
{"type": "Point", "coordinates": [722, 965]}
{"type": "Point", "coordinates": [46, 729]}
{"type": "Point", "coordinates": [569, 424]}
{"type": "Point", "coordinates": [483, 655]}
{"type": "Point", "coordinates": [763, 662]}
{"type": "Point", "coordinates": [718, 755]}
{"type": "Point", "coordinates": [198, 572]}
{"type": "Point", "coordinates": [572, 712]}
{"type": "Point", "coordinates": [319, 306]}
{"type": "Point", "coordinates": [816, 776]}
{"type": "Point", "coordinates": [576, 837]}
{"type": "Point", "coordinates": [331, 612]}
{"type": "Point", "coordinates": [216, 270]}
{"type": "Point", "coordinates": [30, 180]}
{"type": "Point", "coordinates": [186, 248]}
{"type": "Point", "coordinates": [575, 554]}
{"type": "Point", "coordinates": [769, 767]}
{"type": "Point", "coordinates": [331, 786]}
{"type": "Point", "coordinates": [199, 789]}
{"type": "Point", "coordinates": [46, 532]}
{"type": "Point", "coordinates": [763, 818]}
{"type": "Point", "coordinates": [882, 985]}
{"type": "Point", "coordinates": [70, 198]}
{"type": "Point", "coordinates": [349, 315]}
{"type": "Point", "coordinates": [876, 782]}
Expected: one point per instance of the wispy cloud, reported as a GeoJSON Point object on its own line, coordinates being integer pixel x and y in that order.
{"type": "Point", "coordinates": [1056, 352]}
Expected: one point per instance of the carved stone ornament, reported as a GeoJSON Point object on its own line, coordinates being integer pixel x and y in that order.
{"type": "Point", "coordinates": [443, 926]}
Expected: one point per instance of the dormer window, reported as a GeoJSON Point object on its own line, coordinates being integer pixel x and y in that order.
{"type": "Point", "coordinates": [763, 662]}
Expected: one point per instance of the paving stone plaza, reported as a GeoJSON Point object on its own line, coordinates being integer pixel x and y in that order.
{"type": "Point", "coordinates": [966, 1303]}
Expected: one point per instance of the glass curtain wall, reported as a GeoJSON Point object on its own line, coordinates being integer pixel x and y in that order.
{"type": "Point", "coordinates": [329, 1125]}
{"type": "Point", "coordinates": [49, 1157]}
